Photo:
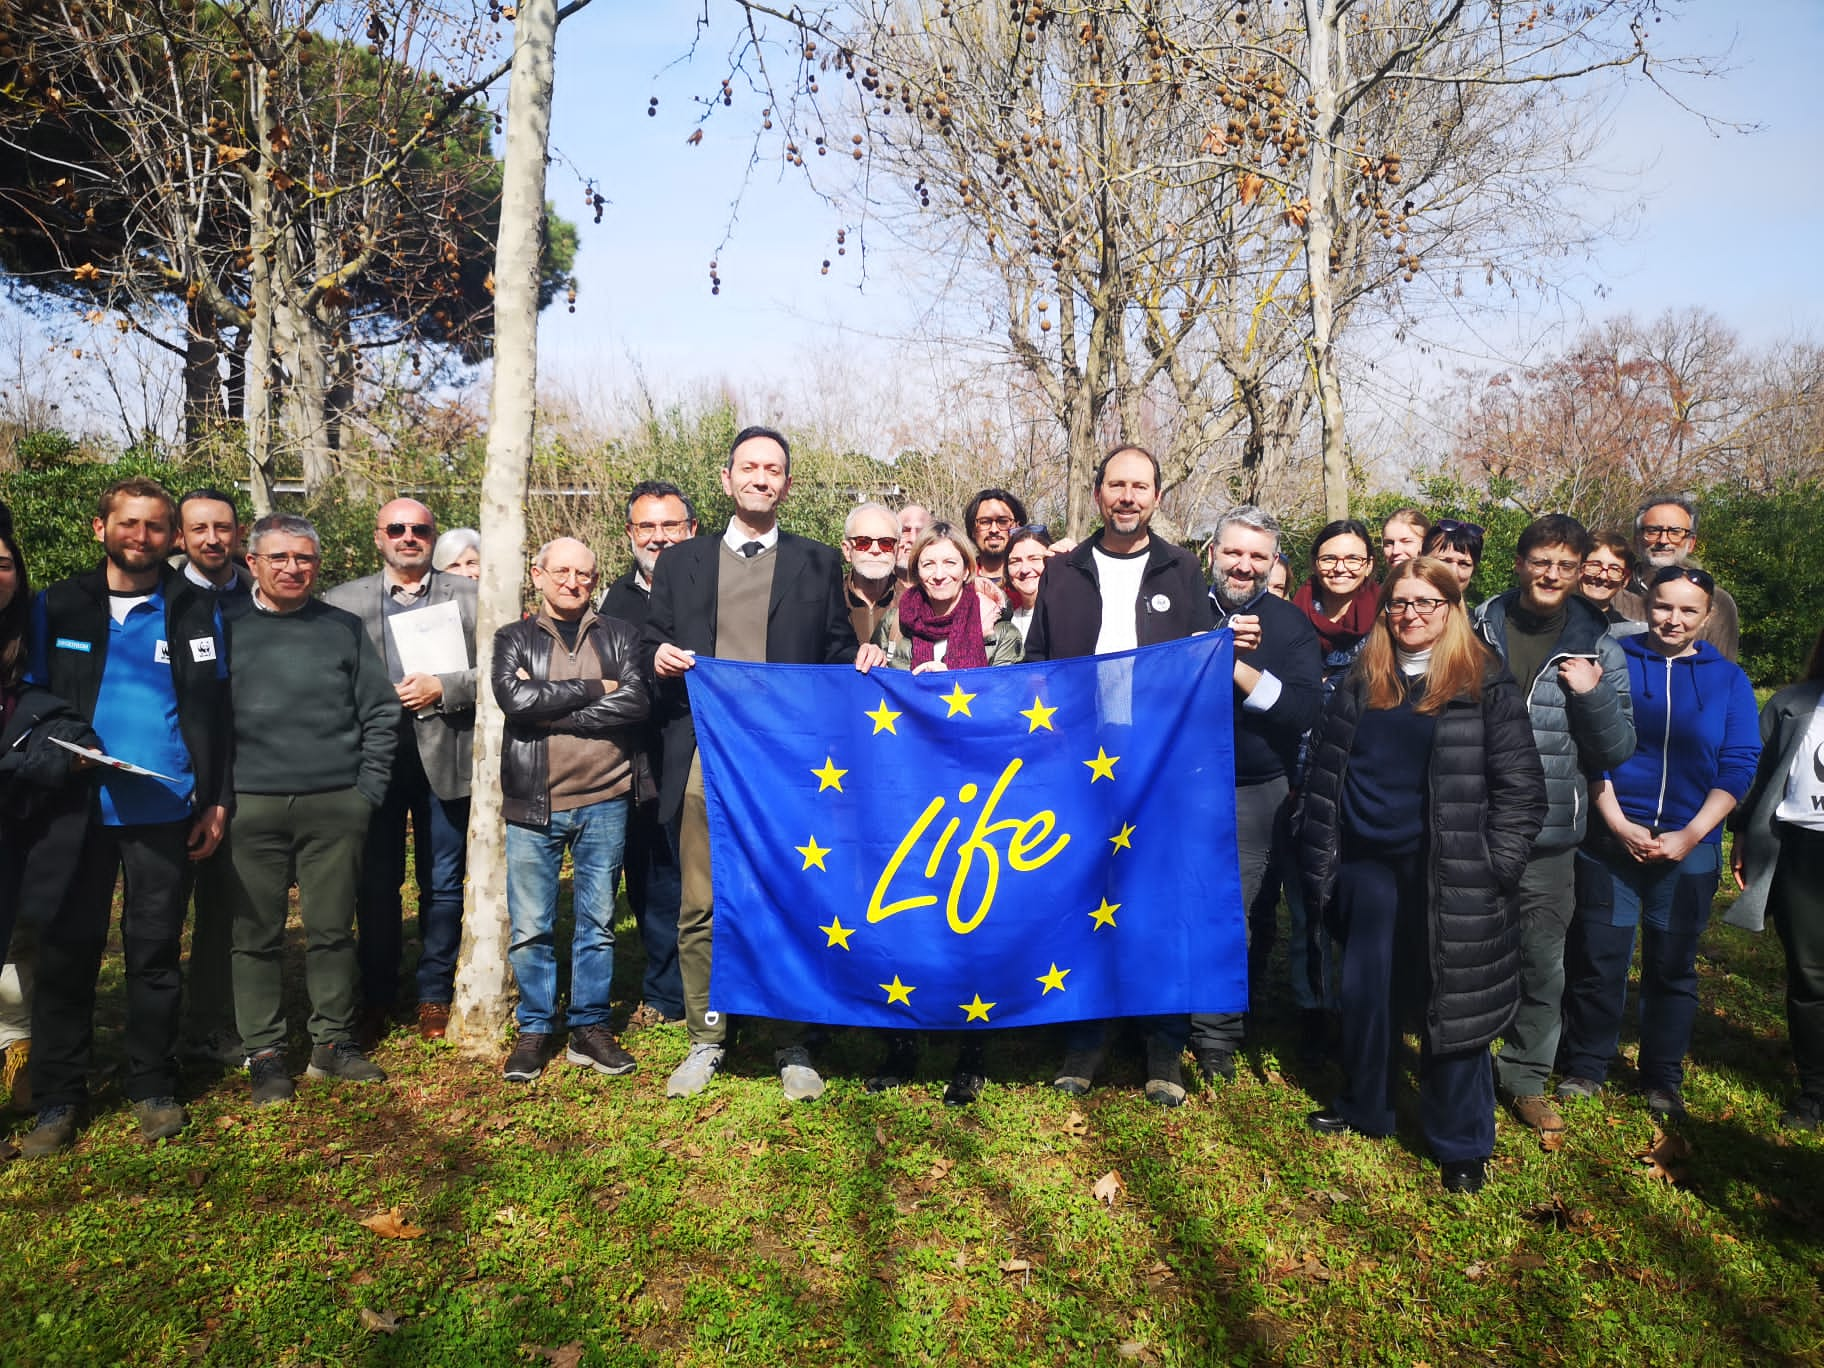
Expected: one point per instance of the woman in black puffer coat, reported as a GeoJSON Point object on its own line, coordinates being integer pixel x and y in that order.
{"type": "Point", "coordinates": [1422, 799]}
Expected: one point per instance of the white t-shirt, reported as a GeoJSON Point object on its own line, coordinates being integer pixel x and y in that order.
{"type": "Point", "coordinates": [1803, 804]}
{"type": "Point", "coordinates": [1120, 578]}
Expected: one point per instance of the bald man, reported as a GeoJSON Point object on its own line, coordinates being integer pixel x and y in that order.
{"type": "Point", "coordinates": [430, 778]}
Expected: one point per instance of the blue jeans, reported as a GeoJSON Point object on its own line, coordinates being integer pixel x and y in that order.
{"type": "Point", "coordinates": [596, 835]}
{"type": "Point", "coordinates": [655, 888]}
{"type": "Point", "coordinates": [440, 830]}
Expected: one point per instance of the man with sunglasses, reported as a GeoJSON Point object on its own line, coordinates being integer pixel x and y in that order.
{"type": "Point", "coordinates": [430, 778]}
{"type": "Point", "coordinates": [1575, 681]}
{"type": "Point", "coordinates": [1665, 533]}
{"type": "Point", "coordinates": [870, 548]}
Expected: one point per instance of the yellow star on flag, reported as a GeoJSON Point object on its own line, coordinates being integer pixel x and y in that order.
{"type": "Point", "coordinates": [883, 718]}
{"type": "Point", "coordinates": [829, 777]}
{"type": "Point", "coordinates": [1038, 714]}
{"type": "Point", "coordinates": [838, 933]}
{"type": "Point", "coordinates": [1119, 840]}
{"type": "Point", "coordinates": [813, 854]}
{"type": "Point", "coordinates": [1103, 766]}
{"type": "Point", "coordinates": [1104, 915]}
{"type": "Point", "coordinates": [1055, 979]}
{"type": "Point", "coordinates": [958, 700]}
{"type": "Point", "coordinates": [898, 992]}
{"type": "Point", "coordinates": [977, 1010]}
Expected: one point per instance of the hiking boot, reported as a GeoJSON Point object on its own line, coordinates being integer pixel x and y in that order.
{"type": "Point", "coordinates": [802, 1081]}
{"type": "Point", "coordinates": [16, 1076]}
{"type": "Point", "coordinates": [1077, 1074]}
{"type": "Point", "coordinates": [433, 1020]}
{"type": "Point", "coordinates": [1536, 1111]}
{"type": "Point", "coordinates": [271, 1079]}
{"type": "Point", "coordinates": [1164, 1074]}
{"type": "Point", "coordinates": [1806, 1113]}
{"type": "Point", "coordinates": [1464, 1175]}
{"type": "Point", "coordinates": [160, 1118]}
{"type": "Point", "coordinates": [1575, 1086]}
{"type": "Point", "coordinates": [1666, 1104]}
{"type": "Point", "coordinates": [340, 1059]}
{"type": "Point", "coordinates": [56, 1130]}
{"type": "Point", "coordinates": [596, 1047]}
{"type": "Point", "coordinates": [693, 1075]}
{"type": "Point", "coordinates": [1216, 1064]}
{"type": "Point", "coordinates": [527, 1061]}
{"type": "Point", "coordinates": [221, 1049]}
{"type": "Point", "coordinates": [899, 1067]}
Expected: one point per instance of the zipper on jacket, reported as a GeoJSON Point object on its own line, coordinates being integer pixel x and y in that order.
{"type": "Point", "coordinates": [1665, 748]}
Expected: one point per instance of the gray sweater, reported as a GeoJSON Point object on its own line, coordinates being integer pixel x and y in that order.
{"type": "Point", "coordinates": [313, 711]}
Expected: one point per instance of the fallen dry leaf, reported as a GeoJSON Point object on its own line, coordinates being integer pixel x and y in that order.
{"type": "Point", "coordinates": [1665, 1157]}
{"type": "Point", "coordinates": [379, 1322]}
{"type": "Point", "coordinates": [1525, 1262]}
{"type": "Point", "coordinates": [880, 1136]}
{"type": "Point", "coordinates": [391, 1225]}
{"type": "Point", "coordinates": [1551, 1141]}
{"type": "Point", "coordinates": [1108, 1188]}
{"type": "Point", "coordinates": [1130, 1349]}
{"type": "Point", "coordinates": [1014, 1265]}
{"type": "Point", "coordinates": [960, 1261]}
{"type": "Point", "coordinates": [1076, 1124]}
{"type": "Point", "coordinates": [567, 1356]}
{"type": "Point", "coordinates": [1474, 1270]}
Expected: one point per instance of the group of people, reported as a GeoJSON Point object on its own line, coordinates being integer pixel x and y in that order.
{"type": "Point", "coordinates": [1469, 812]}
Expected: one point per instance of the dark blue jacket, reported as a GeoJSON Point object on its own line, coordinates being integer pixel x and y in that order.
{"type": "Point", "coordinates": [1699, 730]}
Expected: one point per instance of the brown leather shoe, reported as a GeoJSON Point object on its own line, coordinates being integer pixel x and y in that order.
{"type": "Point", "coordinates": [1537, 1112]}
{"type": "Point", "coordinates": [433, 1020]}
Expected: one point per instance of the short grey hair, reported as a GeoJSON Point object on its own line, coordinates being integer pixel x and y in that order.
{"type": "Point", "coordinates": [538, 556]}
{"type": "Point", "coordinates": [452, 544]}
{"type": "Point", "coordinates": [848, 523]}
{"type": "Point", "coordinates": [1676, 500]}
{"type": "Point", "coordinates": [283, 525]}
{"type": "Point", "coordinates": [1247, 515]}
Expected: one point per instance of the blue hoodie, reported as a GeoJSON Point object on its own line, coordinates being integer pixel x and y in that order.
{"type": "Point", "coordinates": [1699, 730]}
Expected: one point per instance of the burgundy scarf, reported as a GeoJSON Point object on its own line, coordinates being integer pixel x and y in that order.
{"type": "Point", "coordinates": [1354, 624]}
{"type": "Point", "coordinates": [961, 627]}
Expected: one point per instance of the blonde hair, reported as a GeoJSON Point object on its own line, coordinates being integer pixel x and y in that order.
{"type": "Point", "coordinates": [1459, 660]}
{"type": "Point", "coordinates": [944, 532]}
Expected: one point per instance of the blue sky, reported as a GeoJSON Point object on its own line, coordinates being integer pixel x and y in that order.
{"type": "Point", "coordinates": [1730, 220]}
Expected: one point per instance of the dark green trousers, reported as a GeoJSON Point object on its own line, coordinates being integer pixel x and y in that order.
{"type": "Point", "coordinates": [315, 839]}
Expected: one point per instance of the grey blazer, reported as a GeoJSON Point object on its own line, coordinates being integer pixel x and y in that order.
{"type": "Point", "coordinates": [1784, 722]}
{"type": "Point", "coordinates": [446, 734]}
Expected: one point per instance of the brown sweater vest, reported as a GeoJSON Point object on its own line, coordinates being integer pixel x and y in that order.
{"type": "Point", "coordinates": [744, 591]}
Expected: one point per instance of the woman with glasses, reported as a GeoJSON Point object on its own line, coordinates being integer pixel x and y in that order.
{"type": "Point", "coordinates": [1608, 567]}
{"type": "Point", "coordinates": [1027, 552]}
{"type": "Point", "coordinates": [1654, 860]}
{"type": "Point", "coordinates": [1421, 802]}
{"type": "Point", "coordinates": [1458, 545]}
{"type": "Point", "coordinates": [1779, 866]}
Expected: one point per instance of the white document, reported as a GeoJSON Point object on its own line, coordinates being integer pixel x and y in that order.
{"type": "Point", "coordinates": [428, 640]}
{"type": "Point", "coordinates": [111, 761]}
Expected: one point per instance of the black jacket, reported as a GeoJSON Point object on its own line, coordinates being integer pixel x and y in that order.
{"type": "Point", "coordinates": [807, 623]}
{"type": "Point", "coordinates": [625, 600]}
{"type": "Point", "coordinates": [1067, 618]}
{"type": "Point", "coordinates": [1267, 740]}
{"type": "Point", "coordinates": [1485, 804]}
{"type": "Point", "coordinates": [76, 609]}
{"type": "Point", "coordinates": [537, 706]}
{"type": "Point", "coordinates": [44, 807]}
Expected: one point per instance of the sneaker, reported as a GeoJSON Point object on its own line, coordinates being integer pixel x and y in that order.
{"type": "Point", "coordinates": [693, 1075]}
{"type": "Point", "coordinates": [56, 1130]}
{"type": "Point", "coordinates": [1805, 1113]}
{"type": "Point", "coordinates": [340, 1059]}
{"type": "Point", "coordinates": [1464, 1175]}
{"type": "Point", "coordinates": [1077, 1074]}
{"type": "Point", "coordinates": [1666, 1104]}
{"type": "Point", "coordinates": [222, 1049]}
{"type": "Point", "coordinates": [802, 1081]}
{"type": "Point", "coordinates": [160, 1118]}
{"type": "Point", "coordinates": [16, 1077]}
{"type": "Point", "coordinates": [595, 1047]}
{"type": "Point", "coordinates": [1576, 1086]}
{"type": "Point", "coordinates": [271, 1079]}
{"type": "Point", "coordinates": [1216, 1064]}
{"type": "Point", "coordinates": [1164, 1074]}
{"type": "Point", "coordinates": [527, 1061]}
{"type": "Point", "coordinates": [1535, 1110]}
{"type": "Point", "coordinates": [899, 1067]}
{"type": "Point", "coordinates": [970, 1077]}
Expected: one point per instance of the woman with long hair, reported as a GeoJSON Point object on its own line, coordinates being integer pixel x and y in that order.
{"type": "Point", "coordinates": [1421, 802]}
{"type": "Point", "coordinates": [1654, 861]}
{"type": "Point", "coordinates": [1779, 866]}
{"type": "Point", "coordinates": [1027, 552]}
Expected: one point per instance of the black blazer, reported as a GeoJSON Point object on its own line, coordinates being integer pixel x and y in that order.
{"type": "Point", "coordinates": [807, 623]}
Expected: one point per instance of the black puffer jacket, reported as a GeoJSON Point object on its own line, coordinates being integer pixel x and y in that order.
{"type": "Point", "coordinates": [1486, 803]}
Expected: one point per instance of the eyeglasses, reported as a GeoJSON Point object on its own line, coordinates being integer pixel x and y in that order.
{"type": "Point", "coordinates": [422, 531]}
{"type": "Point", "coordinates": [1703, 579]}
{"type": "Point", "coordinates": [1664, 533]}
{"type": "Point", "coordinates": [994, 522]}
{"type": "Point", "coordinates": [1423, 607]}
{"type": "Point", "coordinates": [566, 576]}
{"type": "Point", "coordinates": [1597, 570]}
{"type": "Point", "coordinates": [1540, 564]}
{"type": "Point", "coordinates": [302, 559]}
{"type": "Point", "coordinates": [647, 531]}
{"type": "Point", "coordinates": [874, 543]}
{"type": "Point", "coordinates": [1341, 562]}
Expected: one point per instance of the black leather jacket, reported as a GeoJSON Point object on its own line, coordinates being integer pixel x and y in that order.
{"type": "Point", "coordinates": [537, 706]}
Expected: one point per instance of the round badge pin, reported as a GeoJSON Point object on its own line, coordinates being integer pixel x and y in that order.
{"type": "Point", "coordinates": [1161, 603]}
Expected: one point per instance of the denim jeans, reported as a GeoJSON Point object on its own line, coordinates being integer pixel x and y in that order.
{"type": "Point", "coordinates": [654, 888]}
{"type": "Point", "coordinates": [596, 836]}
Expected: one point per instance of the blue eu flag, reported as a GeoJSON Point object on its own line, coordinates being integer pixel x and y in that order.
{"type": "Point", "coordinates": [976, 848]}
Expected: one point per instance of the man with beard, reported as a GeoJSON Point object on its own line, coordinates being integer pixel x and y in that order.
{"type": "Point", "coordinates": [659, 515]}
{"type": "Point", "coordinates": [138, 652]}
{"type": "Point", "coordinates": [870, 548]}
{"type": "Point", "coordinates": [913, 520]}
{"type": "Point", "coordinates": [1279, 692]}
{"type": "Point", "coordinates": [430, 780]}
{"type": "Point", "coordinates": [991, 516]}
{"type": "Point", "coordinates": [1120, 589]}
{"type": "Point", "coordinates": [1665, 533]}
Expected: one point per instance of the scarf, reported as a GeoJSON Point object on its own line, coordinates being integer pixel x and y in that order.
{"type": "Point", "coordinates": [961, 627]}
{"type": "Point", "coordinates": [1355, 624]}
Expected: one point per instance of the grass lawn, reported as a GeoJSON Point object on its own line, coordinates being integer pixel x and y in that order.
{"type": "Point", "coordinates": [586, 1220]}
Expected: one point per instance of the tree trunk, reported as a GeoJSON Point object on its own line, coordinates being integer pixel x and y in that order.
{"type": "Point", "coordinates": [1323, 26]}
{"type": "Point", "coordinates": [484, 979]}
{"type": "Point", "coordinates": [202, 376]}
{"type": "Point", "coordinates": [306, 347]}
{"type": "Point", "coordinates": [260, 238]}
